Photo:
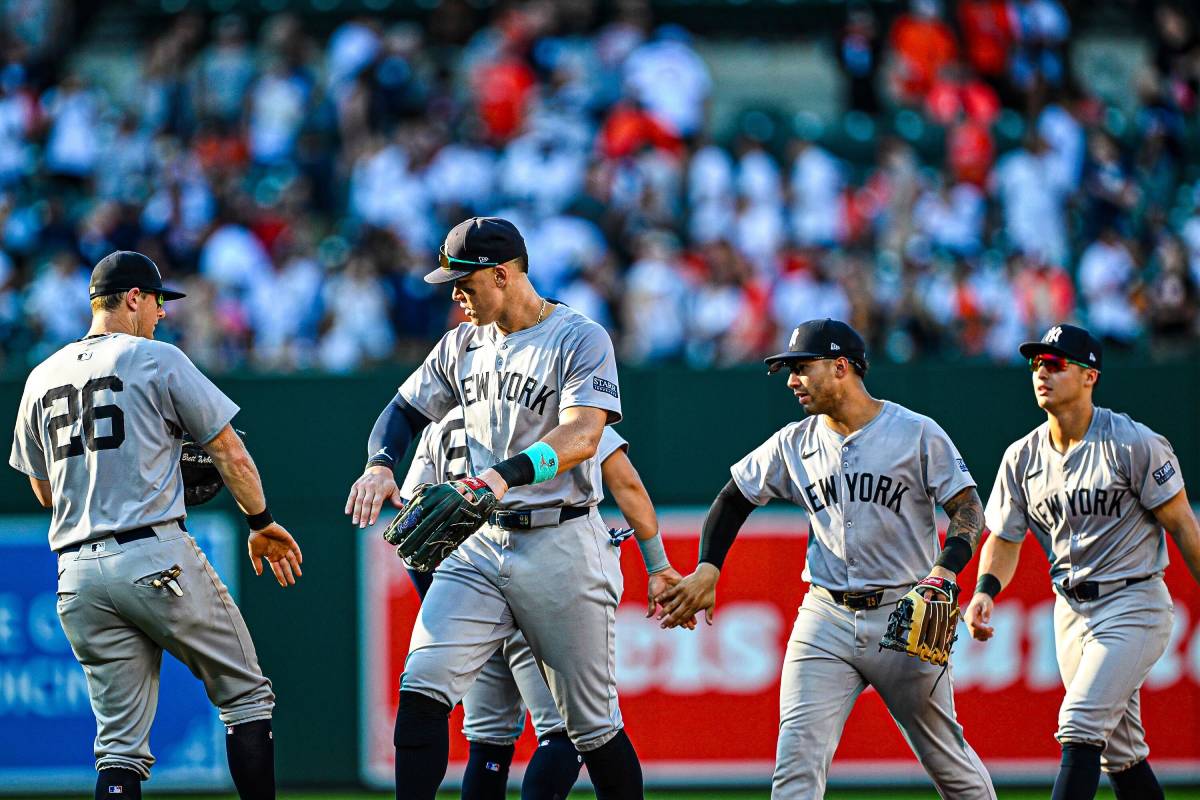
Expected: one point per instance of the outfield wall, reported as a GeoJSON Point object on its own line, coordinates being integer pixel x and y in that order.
{"type": "Point", "coordinates": [685, 427]}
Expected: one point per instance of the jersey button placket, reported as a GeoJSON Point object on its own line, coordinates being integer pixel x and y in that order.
{"type": "Point", "coordinates": [848, 522]}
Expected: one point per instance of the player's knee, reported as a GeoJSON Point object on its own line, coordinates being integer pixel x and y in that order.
{"type": "Point", "coordinates": [420, 719]}
{"type": "Point", "coordinates": [1081, 754]}
{"type": "Point", "coordinates": [251, 706]}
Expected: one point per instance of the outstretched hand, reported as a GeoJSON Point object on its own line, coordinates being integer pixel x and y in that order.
{"type": "Point", "coordinates": [376, 485]}
{"type": "Point", "coordinates": [658, 584]}
{"type": "Point", "coordinates": [280, 550]}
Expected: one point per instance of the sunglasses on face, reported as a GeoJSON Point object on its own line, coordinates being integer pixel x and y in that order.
{"type": "Point", "coordinates": [1053, 364]}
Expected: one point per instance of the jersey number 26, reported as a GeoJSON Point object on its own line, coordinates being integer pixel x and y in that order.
{"type": "Point", "coordinates": [91, 412]}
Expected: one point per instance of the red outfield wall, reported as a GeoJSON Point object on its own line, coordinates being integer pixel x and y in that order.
{"type": "Point", "coordinates": [702, 707]}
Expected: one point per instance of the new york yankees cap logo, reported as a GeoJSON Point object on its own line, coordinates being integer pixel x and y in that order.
{"type": "Point", "coordinates": [1069, 341]}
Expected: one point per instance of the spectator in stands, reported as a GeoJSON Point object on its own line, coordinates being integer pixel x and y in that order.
{"type": "Point", "coordinates": [1108, 279]}
{"type": "Point", "coordinates": [1033, 208]}
{"type": "Point", "coordinates": [922, 44]}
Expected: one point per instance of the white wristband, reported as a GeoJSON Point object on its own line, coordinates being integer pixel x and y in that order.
{"type": "Point", "coordinates": [654, 554]}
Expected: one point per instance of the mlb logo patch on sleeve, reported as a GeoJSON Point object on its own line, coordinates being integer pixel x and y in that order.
{"type": "Point", "coordinates": [962, 465]}
{"type": "Point", "coordinates": [601, 385]}
{"type": "Point", "coordinates": [1164, 473]}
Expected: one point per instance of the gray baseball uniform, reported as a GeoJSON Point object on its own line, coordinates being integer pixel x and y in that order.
{"type": "Point", "coordinates": [871, 499]}
{"type": "Point", "coordinates": [102, 421]}
{"type": "Point", "coordinates": [511, 680]}
{"type": "Point", "coordinates": [559, 581]}
{"type": "Point", "coordinates": [1090, 510]}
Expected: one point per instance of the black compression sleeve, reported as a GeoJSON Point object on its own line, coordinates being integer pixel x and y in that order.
{"type": "Point", "coordinates": [393, 432]}
{"type": "Point", "coordinates": [721, 525]}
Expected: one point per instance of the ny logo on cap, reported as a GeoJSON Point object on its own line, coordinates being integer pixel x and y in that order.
{"type": "Point", "coordinates": [1052, 335]}
{"type": "Point", "coordinates": [795, 339]}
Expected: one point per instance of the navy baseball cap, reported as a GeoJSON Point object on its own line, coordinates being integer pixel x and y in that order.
{"type": "Point", "coordinates": [123, 270]}
{"type": "Point", "coordinates": [821, 338]}
{"type": "Point", "coordinates": [475, 244]}
{"type": "Point", "coordinates": [1068, 341]}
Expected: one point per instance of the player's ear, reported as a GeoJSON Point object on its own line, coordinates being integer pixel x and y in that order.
{"type": "Point", "coordinates": [500, 274]}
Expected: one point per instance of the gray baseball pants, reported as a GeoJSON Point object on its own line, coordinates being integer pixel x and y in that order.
{"type": "Point", "coordinates": [1105, 649]}
{"type": "Point", "coordinates": [559, 586]}
{"type": "Point", "coordinates": [832, 656]}
{"type": "Point", "coordinates": [119, 624]}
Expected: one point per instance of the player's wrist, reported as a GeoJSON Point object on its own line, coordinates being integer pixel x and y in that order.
{"type": "Point", "coordinates": [261, 520]}
{"type": "Point", "coordinates": [380, 467]}
{"type": "Point", "coordinates": [708, 571]}
{"type": "Point", "coordinates": [495, 481]}
{"type": "Point", "coordinates": [988, 584]}
{"type": "Point", "coordinates": [654, 554]}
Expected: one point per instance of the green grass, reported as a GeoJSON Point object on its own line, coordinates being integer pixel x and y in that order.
{"type": "Point", "coordinates": [865, 794]}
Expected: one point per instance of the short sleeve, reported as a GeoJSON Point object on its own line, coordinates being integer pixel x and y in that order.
{"type": "Point", "coordinates": [589, 376]}
{"type": "Point", "coordinates": [28, 453]}
{"type": "Point", "coordinates": [424, 464]}
{"type": "Point", "coordinates": [946, 473]}
{"type": "Point", "coordinates": [430, 388]}
{"type": "Point", "coordinates": [763, 475]}
{"type": "Point", "coordinates": [1154, 472]}
{"type": "Point", "coordinates": [200, 407]}
{"type": "Point", "coordinates": [610, 442]}
{"type": "Point", "coordinates": [1005, 512]}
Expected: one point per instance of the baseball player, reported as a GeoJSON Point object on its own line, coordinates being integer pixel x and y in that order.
{"type": "Point", "coordinates": [870, 474]}
{"type": "Point", "coordinates": [510, 680]}
{"type": "Point", "coordinates": [537, 383]}
{"type": "Point", "coordinates": [1096, 489]}
{"type": "Point", "coordinates": [99, 434]}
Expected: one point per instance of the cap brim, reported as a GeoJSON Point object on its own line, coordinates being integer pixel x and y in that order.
{"type": "Point", "coordinates": [170, 294]}
{"type": "Point", "coordinates": [440, 275]}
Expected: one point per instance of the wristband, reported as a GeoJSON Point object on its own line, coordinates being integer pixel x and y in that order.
{"type": "Point", "coordinates": [989, 584]}
{"type": "Point", "coordinates": [516, 471]}
{"type": "Point", "coordinates": [654, 554]}
{"type": "Point", "coordinates": [955, 554]}
{"type": "Point", "coordinates": [545, 461]}
{"type": "Point", "coordinates": [380, 461]}
{"type": "Point", "coordinates": [260, 520]}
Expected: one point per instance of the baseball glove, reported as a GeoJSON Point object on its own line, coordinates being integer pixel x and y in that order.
{"type": "Point", "coordinates": [924, 628]}
{"type": "Point", "coordinates": [201, 480]}
{"type": "Point", "coordinates": [438, 518]}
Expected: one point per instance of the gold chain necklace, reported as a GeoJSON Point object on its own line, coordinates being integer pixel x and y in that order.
{"type": "Point", "coordinates": [541, 312]}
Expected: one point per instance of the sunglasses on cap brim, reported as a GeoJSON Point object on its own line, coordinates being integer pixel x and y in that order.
{"type": "Point", "coordinates": [451, 264]}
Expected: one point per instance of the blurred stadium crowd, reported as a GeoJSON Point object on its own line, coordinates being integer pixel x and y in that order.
{"type": "Point", "coordinates": [297, 184]}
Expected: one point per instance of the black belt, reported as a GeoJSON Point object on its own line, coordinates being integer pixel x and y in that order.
{"type": "Point", "coordinates": [1090, 590]}
{"type": "Point", "coordinates": [122, 537]}
{"type": "Point", "coordinates": [857, 600]}
{"type": "Point", "coordinates": [537, 517]}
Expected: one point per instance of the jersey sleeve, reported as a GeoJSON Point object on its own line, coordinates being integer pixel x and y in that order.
{"type": "Point", "coordinates": [763, 476]}
{"type": "Point", "coordinates": [1005, 514]}
{"type": "Point", "coordinates": [424, 463]}
{"type": "Point", "coordinates": [1154, 472]}
{"type": "Point", "coordinates": [198, 405]}
{"type": "Point", "coordinates": [946, 473]}
{"type": "Point", "coordinates": [589, 376]}
{"type": "Point", "coordinates": [610, 442]}
{"type": "Point", "coordinates": [28, 452]}
{"type": "Point", "coordinates": [430, 389]}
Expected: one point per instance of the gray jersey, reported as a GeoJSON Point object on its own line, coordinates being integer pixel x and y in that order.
{"type": "Point", "coordinates": [871, 496]}
{"type": "Point", "coordinates": [441, 453]}
{"type": "Point", "coordinates": [102, 421]}
{"type": "Point", "coordinates": [1090, 508]}
{"type": "Point", "coordinates": [513, 388]}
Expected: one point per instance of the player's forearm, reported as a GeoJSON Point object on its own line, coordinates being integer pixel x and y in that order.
{"type": "Point", "coordinates": [626, 486]}
{"type": "Point", "coordinates": [237, 468]}
{"type": "Point", "coordinates": [393, 431]}
{"type": "Point", "coordinates": [725, 518]}
{"type": "Point", "coordinates": [999, 557]}
{"type": "Point", "coordinates": [963, 533]}
{"type": "Point", "coordinates": [575, 441]}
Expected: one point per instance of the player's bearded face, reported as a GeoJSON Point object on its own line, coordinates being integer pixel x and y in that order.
{"type": "Point", "coordinates": [812, 383]}
{"type": "Point", "coordinates": [478, 296]}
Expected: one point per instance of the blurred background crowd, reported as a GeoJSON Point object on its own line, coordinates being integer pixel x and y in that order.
{"type": "Point", "coordinates": [972, 171]}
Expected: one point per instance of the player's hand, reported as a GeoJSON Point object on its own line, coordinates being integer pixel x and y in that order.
{"type": "Point", "coordinates": [277, 546]}
{"type": "Point", "coordinates": [658, 584]}
{"type": "Point", "coordinates": [368, 493]}
{"type": "Point", "coordinates": [944, 574]}
{"type": "Point", "coordinates": [979, 614]}
{"type": "Point", "coordinates": [685, 599]}
{"type": "Point", "coordinates": [498, 485]}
